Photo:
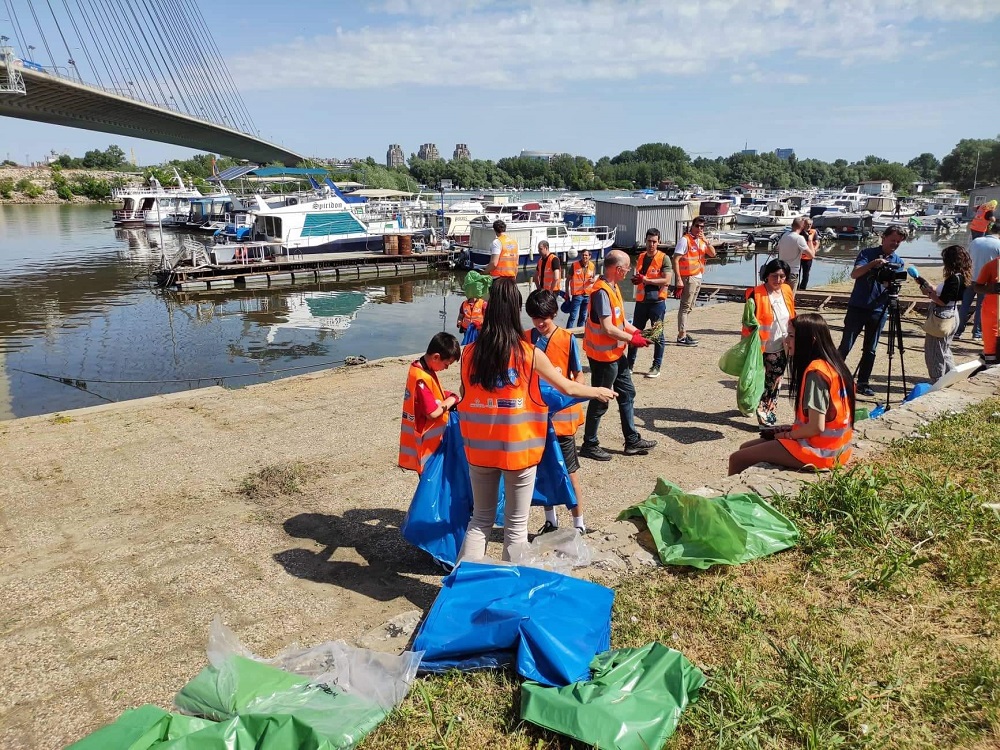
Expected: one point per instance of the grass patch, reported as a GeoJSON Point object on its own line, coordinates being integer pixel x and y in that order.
{"type": "Point", "coordinates": [274, 480]}
{"type": "Point", "coordinates": [61, 419]}
{"type": "Point", "coordinates": [880, 630]}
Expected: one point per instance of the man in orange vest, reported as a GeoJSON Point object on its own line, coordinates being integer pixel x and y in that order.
{"type": "Point", "coordinates": [988, 284]}
{"type": "Point", "coordinates": [504, 253]}
{"type": "Point", "coordinates": [689, 270]}
{"type": "Point", "coordinates": [652, 274]}
{"type": "Point", "coordinates": [606, 336]}
{"type": "Point", "coordinates": [548, 273]}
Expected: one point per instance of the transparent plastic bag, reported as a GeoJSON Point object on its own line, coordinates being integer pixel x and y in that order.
{"type": "Point", "coordinates": [559, 551]}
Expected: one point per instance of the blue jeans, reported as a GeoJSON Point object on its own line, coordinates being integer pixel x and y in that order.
{"type": "Point", "coordinates": [963, 313]}
{"type": "Point", "coordinates": [648, 312]}
{"type": "Point", "coordinates": [872, 322]}
{"type": "Point", "coordinates": [617, 376]}
{"type": "Point", "coordinates": [578, 310]}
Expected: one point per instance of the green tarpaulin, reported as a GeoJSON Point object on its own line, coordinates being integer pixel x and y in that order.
{"type": "Point", "coordinates": [476, 284]}
{"type": "Point", "coordinates": [632, 701]}
{"type": "Point", "coordinates": [702, 532]}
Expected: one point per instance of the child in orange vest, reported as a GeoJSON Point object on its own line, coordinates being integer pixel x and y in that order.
{"type": "Point", "coordinates": [472, 311]}
{"type": "Point", "coordinates": [426, 404]}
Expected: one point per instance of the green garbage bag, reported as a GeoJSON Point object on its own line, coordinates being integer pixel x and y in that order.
{"type": "Point", "coordinates": [476, 285]}
{"type": "Point", "coordinates": [702, 532]}
{"type": "Point", "coordinates": [632, 701]}
{"type": "Point", "coordinates": [731, 362]}
{"type": "Point", "coordinates": [141, 729]}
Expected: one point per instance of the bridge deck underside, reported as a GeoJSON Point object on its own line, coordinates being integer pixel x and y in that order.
{"type": "Point", "coordinates": [60, 102]}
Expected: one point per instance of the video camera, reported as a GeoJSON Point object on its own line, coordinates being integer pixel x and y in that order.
{"type": "Point", "coordinates": [890, 273]}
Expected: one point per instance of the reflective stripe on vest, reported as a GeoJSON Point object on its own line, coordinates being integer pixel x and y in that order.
{"type": "Point", "coordinates": [415, 447]}
{"type": "Point", "coordinates": [546, 273]}
{"type": "Point", "coordinates": [509, 254]}
{"type": "Point", "coordinates": [568, 420]}
{"type": "Point", "coordinates": [654, 271]}
{"type": "Point", "coordinates": [693, 261]}
{"type": "Point", "coordinates": [597, 344]}
{"type": "Point", "coordinates": [582, 280]}
{"type": "Point", "coordinates": [765, 311]}
{"type": "Point", "coordinates": [503, 428]}
{"type": "Point", "coordinates": [473, 311]}
{"type": "Point", "coordinates": [980, 223]}
{"type": "Point", "coordinates": [832, 447]}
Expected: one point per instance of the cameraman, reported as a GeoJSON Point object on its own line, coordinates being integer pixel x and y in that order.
{"type": "Point", "coordinates": [869, 303]}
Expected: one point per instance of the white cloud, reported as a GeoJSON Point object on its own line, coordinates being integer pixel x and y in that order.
{"type": "Point", "coordinates": [543, 45]}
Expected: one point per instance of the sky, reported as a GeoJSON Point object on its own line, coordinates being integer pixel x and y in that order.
{"type": "Point", "coordinates": [829, 78]}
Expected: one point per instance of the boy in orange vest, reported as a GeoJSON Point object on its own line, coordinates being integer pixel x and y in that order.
{"type": "Point", "coordinates": [560, 347]}
{"type": "Point", "coordinates": [426, 404]}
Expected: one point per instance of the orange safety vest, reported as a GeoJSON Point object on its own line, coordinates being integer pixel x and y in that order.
{"type": "Point", "coordinates": [693, 261]}
{"type": "Point", "coordinates": [654, 271]}
{"type": "Point", "coordinates": [567, 421]}
{"type": "Point", "coordinates": [473, 311]}
{"type": "Point", "coordinates": [765, 312]}
{"type": "Point", "coordinates": [809, 238]}
{"type": "Point", "coordinates": [980, 223]}
{"type": "Point", "coordinates": [504, 428]}
{"type": "Point", "coordinates": [582, 280]}
{"type": "Point", "coordinates": [546, 273]}
{"type": "Point", "coordinates": [597, 344]}
{"type": "Point", "coordinates": [991, 307]}
{"type": "Point", "coordinates": [832, 447]}
{"type": "Point", "coordinates": [509, 255]}
{"type": "Point", "coordinates": [417, 444]}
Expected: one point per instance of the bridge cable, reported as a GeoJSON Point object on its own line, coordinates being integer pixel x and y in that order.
{"type": "Point", "coordinates": [165, 49]}
{"type": "Point", "coordinates": [222, 63]}
{"type": "Point", "coordinates": [102, 26]}
{"type": "Point", "coordinates": [16, 25]}
{"type": "Point", "coordinates": [97, 43]}
{"type": "Point", "coordinates": [45, 41]}
{"type": "Point", "coordinates": [144, 52]}
{"type": "Point", "coordinates": [201, 61]}
{"type": "Point", "coordinates": [69, 53]}
{"type": "Point", "coordinates": [83, 45]}
{"type": "Point", "coordinates": [116, 50]}
{"type": "Point", "coordinates": [149, 47]}
{"type": "Point", "coordinates": [136, 71]}
{"type": "Point", "coordinates": [187, 66]}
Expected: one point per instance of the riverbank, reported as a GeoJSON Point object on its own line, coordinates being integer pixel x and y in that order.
{"type": "Point", "coordinates": [41, 177]}
{"type": "Point", "coordinates": [127, 527]}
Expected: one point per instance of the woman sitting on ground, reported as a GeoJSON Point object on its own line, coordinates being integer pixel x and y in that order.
{"type": "Point", "coordinates": [775, 308]}
{"type": "Point", "coordinates": [824, 406]}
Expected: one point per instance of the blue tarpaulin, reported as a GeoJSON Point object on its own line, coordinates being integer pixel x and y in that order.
{"type": "Point", "coordinates": [548, 625]}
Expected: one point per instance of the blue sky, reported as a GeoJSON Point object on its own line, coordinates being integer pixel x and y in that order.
{"type": "Point", "coordinates": [830, 78]}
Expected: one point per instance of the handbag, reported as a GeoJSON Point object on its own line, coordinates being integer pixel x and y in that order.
{"type": "Point", "coordinates": [941, 321]}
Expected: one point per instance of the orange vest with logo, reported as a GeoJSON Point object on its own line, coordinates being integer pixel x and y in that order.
{"type": "Point", "coordinates": [832, 447]}
{"type": "Point", "coordinates": [765, 311]}
{"type": "Point", "coordinates": [582, 280]}
{"type": "Point", "coordinates": [567, 421]}
{"type": "Point", "coordinates": [546, 274]}
{"type": "Point", "coordinates": [654, 271]}
{"type": "Point", "coordinates": [693, 261]}
{"type": "Point", "coordinates": [417, 445]}
{"type": "Point", "coordinates": [473, 311]}
{"type": "Point", "coordinates": [509, 255]}
{"type": "Point", "coordinates": [980, 223]}
{"type": "Point", "coordinates": [597, 344]}
{"type": "Point", "coordinates": [503, 428]}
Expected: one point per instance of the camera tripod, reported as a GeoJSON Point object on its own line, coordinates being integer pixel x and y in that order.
{"type": "Point", "coordinates": [895, 338]}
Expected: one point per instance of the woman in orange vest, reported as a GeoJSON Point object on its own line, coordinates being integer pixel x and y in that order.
{"type": "Point", "coordinates": [775, 305]}
{"type": "Point", "coordinates": [824, 406]}
{"type": "Point", "coordinates": [426, 404]}
{"type": "Point", "coordinates": [504, 420]}
{"type": "Point", "coordinates": [988, 284]}
{"type": "Point", "coordinates": [980, 223]}
{"type": "Point", "coordinates": [504, 254]}
{"type": "Point", "coordinates": [579, 284]}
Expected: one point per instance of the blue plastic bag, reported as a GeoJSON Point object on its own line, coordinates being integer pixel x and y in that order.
{"type": "Point", "coordinates": [548, 625]}
{"type": "Point", "coordinates": [441, 507]}
{"type": "Point", "coordinates": [920, 389]}
{"type": "Point", "coordinates": [471, 334]}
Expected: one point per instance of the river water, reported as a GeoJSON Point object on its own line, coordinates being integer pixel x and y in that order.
{"type": "Point", "coordinates": [81, 323]}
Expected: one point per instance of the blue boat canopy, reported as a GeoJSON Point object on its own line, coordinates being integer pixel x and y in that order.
{"type": "Point", "coordinates": [251, 170]}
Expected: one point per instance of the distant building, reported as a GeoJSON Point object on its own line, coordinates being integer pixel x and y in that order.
{"type": "Point", "coordinates": [749, 152]}
{"type": "Point", "coordinates": [784, 153]}
{"type": "Point", "coordinates": [545, 156]}
{"type": "Point", "coordinates": [875, 187]}
{"type": "Point", "coordinates": [461, 152]}
{"type": "Point", "coordinates": [394, 156]}
{"type": "Point", "coordinates": [428, 152]}
{"type": "Point", "coordinates": [978, 196]}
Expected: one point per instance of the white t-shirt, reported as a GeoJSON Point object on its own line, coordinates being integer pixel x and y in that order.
{"type": "Point", "coordinates": [495, 249]}
{"type": "Point", "coordinates": [790, 249]}
{"type": "Point", "coordinates": [681, 249]}
{"type": "Point", "coordinates": [779, 326]}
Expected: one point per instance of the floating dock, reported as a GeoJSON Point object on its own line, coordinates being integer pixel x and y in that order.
{"type": "Point", "coordinates": [301, 269]}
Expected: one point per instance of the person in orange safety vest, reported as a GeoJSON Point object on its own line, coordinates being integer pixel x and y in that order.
{"type": "Point", "coordinates": [985, 216]}
{"type": "Point", "coordinates": [504, 253]}
{"type": "Point", "coordinates": [774, 303]}
{"type": "Point", "coordinates": [548, 271]}
{"type": "Point", "coordinates": [426, 404]}
{"type": "Point", "coordinates": [689, 270]}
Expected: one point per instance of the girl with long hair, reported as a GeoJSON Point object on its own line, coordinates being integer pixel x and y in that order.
{"type": "Point", "coordinates": [823, 393]}
{"type": "Point", "coordinates": [504, 420]}
{"type": "Point", "coordinates": [945, 298]}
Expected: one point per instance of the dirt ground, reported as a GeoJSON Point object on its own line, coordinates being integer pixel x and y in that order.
{"type": "Point", "coordinates": [124, 530]}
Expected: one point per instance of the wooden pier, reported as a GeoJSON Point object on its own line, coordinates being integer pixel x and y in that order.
{"type": "Point", "coordinates": [300, 269]}
{"type": "Point", "coordinates": [806, 299]}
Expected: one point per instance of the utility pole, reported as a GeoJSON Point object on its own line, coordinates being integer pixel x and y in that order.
{"type": "Point", "coordinates": [975, 176]}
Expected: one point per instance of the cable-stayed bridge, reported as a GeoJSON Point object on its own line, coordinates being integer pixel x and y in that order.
{"type": "Point", "coordinates": [143, 68]}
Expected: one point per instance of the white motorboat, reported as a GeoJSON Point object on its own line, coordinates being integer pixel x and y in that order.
{"type": "Point", "coordinates": [137, 202]}
{"type": "Point", "coordinates": [772, 213]}
{"type": "Point", "coordinates": [564, 241]}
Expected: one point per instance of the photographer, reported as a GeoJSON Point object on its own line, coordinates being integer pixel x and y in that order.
{"type": "Point", "coordinates": [875, 269]}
